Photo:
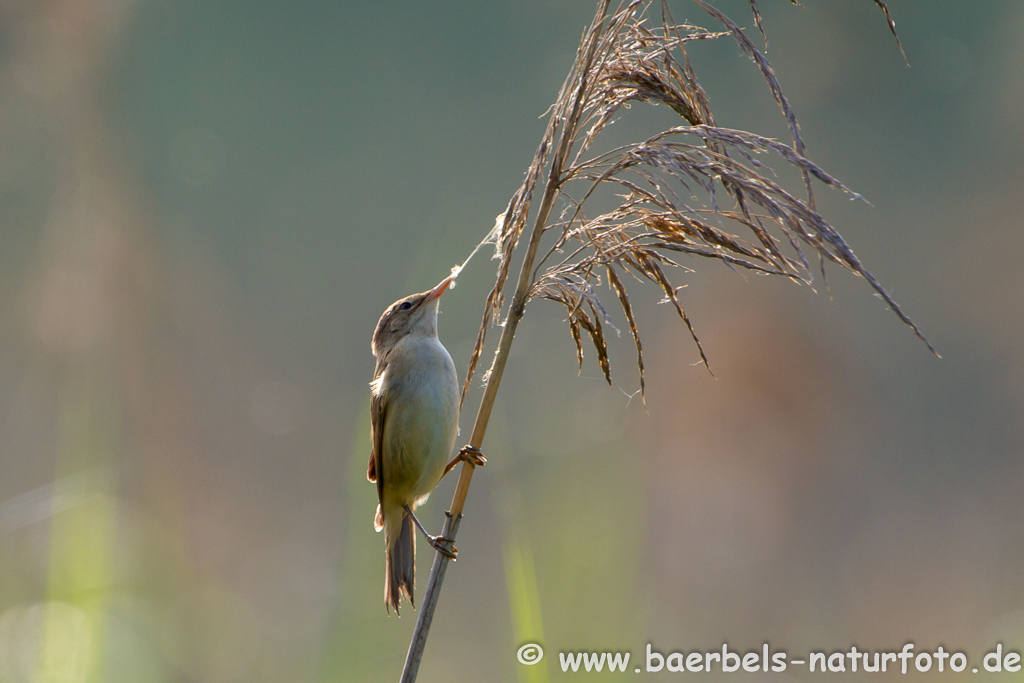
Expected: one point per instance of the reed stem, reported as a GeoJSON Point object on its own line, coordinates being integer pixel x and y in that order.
{"type": "Point", "coordinates": [568, 129]}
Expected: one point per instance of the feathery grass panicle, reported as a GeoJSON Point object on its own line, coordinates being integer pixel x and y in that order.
{"type": "Point", "coordinates": [697, 189]}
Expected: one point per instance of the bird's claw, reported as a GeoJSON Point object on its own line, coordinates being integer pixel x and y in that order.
{"type": "Point", "coordinates": [441, 544]}
{"type": "Point", "coordinates": [472, 455]}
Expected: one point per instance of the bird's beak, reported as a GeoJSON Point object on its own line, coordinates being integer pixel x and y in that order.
{"type": "Point", "coordinates": [439, 290]}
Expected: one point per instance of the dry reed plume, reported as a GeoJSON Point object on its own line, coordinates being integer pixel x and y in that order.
{"type": "Point", "coordinates": [696, 189]}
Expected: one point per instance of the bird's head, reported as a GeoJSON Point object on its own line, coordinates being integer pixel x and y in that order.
{"type": "Point", "coordinates": [416, 314]}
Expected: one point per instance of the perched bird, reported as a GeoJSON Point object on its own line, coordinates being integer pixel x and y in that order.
{"type": "Point", "coordinates": [414, 418]}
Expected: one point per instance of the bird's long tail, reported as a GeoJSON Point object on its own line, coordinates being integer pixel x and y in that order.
{"type": "Point", "coordinates": [400, 558]}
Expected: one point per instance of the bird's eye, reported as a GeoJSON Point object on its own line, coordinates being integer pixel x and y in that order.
{"type": "Point", "coordinates": [406, 305]}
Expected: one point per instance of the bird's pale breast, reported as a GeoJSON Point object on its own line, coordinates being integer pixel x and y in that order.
{"type": "Point", "coordinates": [422, 397]}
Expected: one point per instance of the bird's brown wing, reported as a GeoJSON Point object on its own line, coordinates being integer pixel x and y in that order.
{"type": "Point", "coordinates": [371, 469]}
{"type": "Point", "coordinates": [378, 410]}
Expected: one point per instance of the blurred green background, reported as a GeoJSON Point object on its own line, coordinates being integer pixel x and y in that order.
{"type": "Point", "coordinates": [205, 206]}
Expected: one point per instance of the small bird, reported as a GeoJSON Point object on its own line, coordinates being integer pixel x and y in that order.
{"type": "Point", "coordinates": [414, 419]}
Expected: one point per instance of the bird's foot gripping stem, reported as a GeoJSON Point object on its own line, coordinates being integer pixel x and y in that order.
{"type": "Point", "coordinates": [470, 454]}
{"type": "Point", "coordinates": [441, 544]}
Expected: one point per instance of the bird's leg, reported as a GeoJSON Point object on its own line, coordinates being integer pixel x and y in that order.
{"type": "Point", "coordinates": [470, 454]}
{"type": "Point", "coordinates": [438, 543]}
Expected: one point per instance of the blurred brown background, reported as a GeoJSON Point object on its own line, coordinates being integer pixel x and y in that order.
{"type": "Point", "coordinates": [204, 207]}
